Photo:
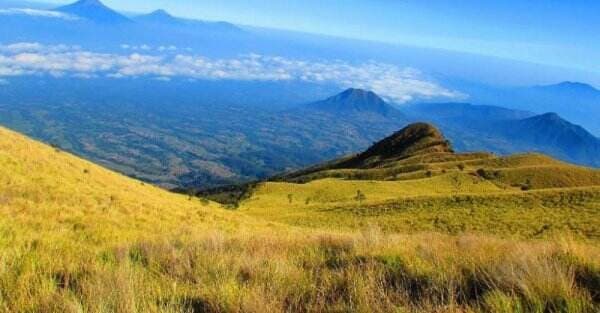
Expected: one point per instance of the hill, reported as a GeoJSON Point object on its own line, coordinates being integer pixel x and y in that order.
{"type": "Point", "coordinates": [413, 177]}
{"type": "Point", "coordinates": [77, 237]}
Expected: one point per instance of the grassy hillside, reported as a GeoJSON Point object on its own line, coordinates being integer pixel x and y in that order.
{"type": "Point", "coordinates": [413, 181]}
{"type": "Point", "coordinates": [45, 189]}
{"type": "Point", "coordinates": [78, 238]}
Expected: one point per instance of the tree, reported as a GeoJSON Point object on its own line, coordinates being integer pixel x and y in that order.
{"type": "Point", "coordinates": [360, 197]}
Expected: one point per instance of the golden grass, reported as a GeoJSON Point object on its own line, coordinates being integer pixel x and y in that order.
{"type": "Point", "coordinates": [77, 238]}
{"type": "Point", "coordinates": [326, 191]}
{"type": "Point", "coordinates": [44, 189]}
{"type": "Point", "coordinates": [271, 271]}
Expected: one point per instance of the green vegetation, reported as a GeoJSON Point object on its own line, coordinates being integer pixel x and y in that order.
{"type": "Point", "coordinates": [75, 237]}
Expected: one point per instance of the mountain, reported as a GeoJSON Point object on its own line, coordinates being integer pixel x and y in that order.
{"type": "Point", "coordinates": [354, 101]}
{"type": "Point", "coordinates": [162, 19]}
{"type": "Point", "coordinates": [549, 133]}
{"type": "Point", "coordinates": [506, 131]}
{"type": "Point", "coordinates": [95, 11]}
{"type": "Point", "coordinates": [462, 111]}
{"type": "Point", "coordinates": [159, 17]}
{"type": "Point", "coordinates": [575, 101]}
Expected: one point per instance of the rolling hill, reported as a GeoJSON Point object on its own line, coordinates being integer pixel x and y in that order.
{"type": "Point", "coordinates": [414, 181]}
{"type": "Point", "coordinates": [77, 237]}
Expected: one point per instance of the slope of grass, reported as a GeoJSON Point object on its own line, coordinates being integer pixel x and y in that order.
{"type": "Point", "coordinates": [45, 189]}
{"type": "Point", "coordinates": [441, 191]}
{"type": "Point", "coordinates": [77, 238]}
{"type": "Point", "coordinates": [272, 195]}
{"type": "Point", "coordinates": [511, 214]}
{"type": "Point", "coordinates": [541, 177]}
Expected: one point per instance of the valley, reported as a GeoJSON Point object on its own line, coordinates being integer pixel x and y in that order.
{"type": "Point", "coordinates": [212, 136]}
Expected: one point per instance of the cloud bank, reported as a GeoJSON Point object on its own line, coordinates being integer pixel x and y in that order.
{"type": "Point", "coordinates": [397, 84]}
{"type": "Point", "coordinates": [38, 13]}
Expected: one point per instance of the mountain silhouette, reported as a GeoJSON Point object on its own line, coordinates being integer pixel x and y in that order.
{"type": "Point", "coordinates": [95, 11]}
{"type": "Point", "coordinates": [354, 101]}
{"type": "Point", "coordinates": [159, 17]}
{"type": "Point", "coordinates": [555, 135]}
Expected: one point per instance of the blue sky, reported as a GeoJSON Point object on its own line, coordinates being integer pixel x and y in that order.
{"type": "Point", "coordinates": [556, 32]}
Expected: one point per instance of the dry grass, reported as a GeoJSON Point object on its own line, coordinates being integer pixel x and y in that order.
{"type": "Point", "coordinates": [77, 238]}
{"type": "Point", "coordinates": [302, 272]}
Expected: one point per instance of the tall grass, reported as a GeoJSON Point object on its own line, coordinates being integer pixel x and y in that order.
{"type": "Point", "coordinates": [275, 271]}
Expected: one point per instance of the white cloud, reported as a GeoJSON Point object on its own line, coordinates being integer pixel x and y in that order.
{"type": "Point", "coordinates": [395, 83]}
{"type": "Point", "coordinates": [38, 13]}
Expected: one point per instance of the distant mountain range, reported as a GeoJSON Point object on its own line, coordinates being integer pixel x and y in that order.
{"type": "Point", "coordinates": [577, 102]}
{"type": "Point", "coordinates": [221, 131]}
{"type": "Point", "coordinates": [505, 131]}
{"type": "Point", "coordinates": [203, 138]}
{"type": "Point", "coordinates": [92, 24]}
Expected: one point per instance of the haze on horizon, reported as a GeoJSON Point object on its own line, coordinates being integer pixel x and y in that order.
{"type": "Point", "coordinates": [554, 33]}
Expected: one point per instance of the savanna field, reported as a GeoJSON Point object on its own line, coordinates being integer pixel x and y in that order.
{"type": "Point", "coordinates": [456, 233]}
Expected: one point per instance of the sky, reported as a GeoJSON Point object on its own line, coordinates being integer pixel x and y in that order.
{"type": "Point", "coordinates": [554, 32]}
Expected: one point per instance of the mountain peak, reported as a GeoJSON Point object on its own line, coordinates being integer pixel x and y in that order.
{"type": "Point", "coordinates": [159, 17]}
{"type": "Point", "coordinates": [576, 85]}
{"type": "Point", "coordinates": [89, 2]}
{"type": "Point", "coordinates": [550, 116]}
{"type": "Point", "coordinates": [570, 88]}
{"type": "Point", "coordinates": [161, 12]}
{"type": "Point", "coordinates": [354, 95]}
{"type": "Point", "coordinates": [354, 100]}
{"type": "Point", "coordinates": [93, 10]}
